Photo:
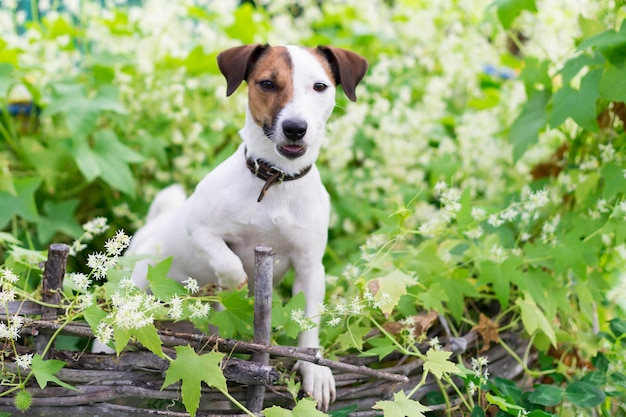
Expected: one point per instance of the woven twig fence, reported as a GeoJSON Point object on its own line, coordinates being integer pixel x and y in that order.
{"type": "Point", "coordinates": [131, 383]}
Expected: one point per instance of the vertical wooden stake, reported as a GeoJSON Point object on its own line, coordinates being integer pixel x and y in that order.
{"type": "Point", "coordinates": [263, 279]}
{"type": "Point", "coordinates": [52, 281]}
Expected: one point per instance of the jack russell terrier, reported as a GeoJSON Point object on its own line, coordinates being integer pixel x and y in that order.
{"type": "Point", "coordinates": [268, 192]}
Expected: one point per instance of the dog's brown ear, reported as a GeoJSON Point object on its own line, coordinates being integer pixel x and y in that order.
{"type": "Point", "coordinates": [236, 63]}
{"type": "Point", "coordinates": [348, 68]}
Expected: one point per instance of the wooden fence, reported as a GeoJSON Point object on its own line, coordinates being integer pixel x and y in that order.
{"type": "Point", "coordinates": [130, 384]}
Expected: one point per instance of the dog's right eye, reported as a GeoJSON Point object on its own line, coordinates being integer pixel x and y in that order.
{"type": "Point", "coordinates": [267, 84]}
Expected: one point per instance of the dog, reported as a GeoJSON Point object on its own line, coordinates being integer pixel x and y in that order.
{"type": "Point", "coordinates": [268, 191]}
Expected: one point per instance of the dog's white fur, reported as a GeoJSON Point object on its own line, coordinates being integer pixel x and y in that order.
{"type": "Point", "coordinates": [212, 233]}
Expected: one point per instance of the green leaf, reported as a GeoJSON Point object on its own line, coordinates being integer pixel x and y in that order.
{"type": "Point", "coordinates": [388, 289]}
{"type": "Point", "coordinates": [535, 73]}
{"type": "Point", "coordinates": [613, 84]}
{"type": "Point", "coordinates": [533, 118]}
{"type": "Point", "coordinates": [59, 218]}
{"type": "Point", "coordinates": [546, 395]}
{"type": "Point", "coordinates": [162, 287]}
{"type": "Point", "coordinates": [437, 363]}
{"type": "Point", "coordinates": [353, 336]}
{"type": "Point", "coordinates": [580, 105]}
{"type": "Point", "coordinates": [533, 318]}
{"type": "Point", "coordinates": [108, 159]}
{"type": "Point", "coordinates": [508, 10]}
{"type": "Point", "coordinates": [610, 43]}
{"type": "Point", "coordinates": [433, 298]}
{"type": "Point", "coordinates": [45, 371]}
{"type": "Point", "coordinates": [506, 389]}
{"type": "Point", "coordinates": [6, 79]}
{"type": "Point", "coordinates": [281, 315]}
{"type": "Point", "coordinates": [573, 66]}
{"type": "Point", "coordinates": [80, 111]}
{"type": "Point", "coordinates": [93, 315]}
{"type": "Point", "coordinates": [237, 317]}
{"type": "Point", "coordinates": [246, 26]}
{"type": "Point", "coordinates": [148, 336]}
{"type": "Point", "coordinates": [401, 406]}
{"type": "Point", "coordinates": [614, 180]}
{"type": "Point", "coordinates": [477, 412]}
{"type": "Point", "coordinates": [193, 369]}
{"type": "Point", "coordinates": [503, 404]}
{"type": "Point", "coordinates": [617, 326]}
{"type": "Point", "coordinates": [382, 346]}
{"type": "Point", "coordinates": [22, 204]}
{"type": "Point", "coordinates": [304, 408]}
{"type": "Point", "coordinates": [583, 394]}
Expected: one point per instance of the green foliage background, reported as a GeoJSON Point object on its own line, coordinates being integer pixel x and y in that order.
{"type": "Point", "coordinates": [481, 170]}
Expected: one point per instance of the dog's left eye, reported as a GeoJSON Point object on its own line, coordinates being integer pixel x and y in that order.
{"type": "Point", "coordinates": [267, 84]}
{"type": "Point", "coordinates": [319, 87]}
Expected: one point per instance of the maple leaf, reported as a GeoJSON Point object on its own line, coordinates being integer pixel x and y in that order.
{"type": "Point", "coordinates": [388, 289]}
{"type": "Point", "coordinates": [401, 406]}
{"type": "Point", "coordinates": [488, 330]}
{"type": "Point", "coordinates": [44, 372]}
{"type": "Point", "coordinates": [437, 363]}
{"type": "Point", "coordinates": [192, 369]}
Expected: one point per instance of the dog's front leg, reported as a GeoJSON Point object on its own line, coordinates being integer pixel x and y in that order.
{"type": "Point", "coordinates": [220, 259]}
{"type": "Point", "coordinates": [317, 381]}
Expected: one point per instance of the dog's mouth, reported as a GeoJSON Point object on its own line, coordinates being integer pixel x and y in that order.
{"type": "Point", "coordinates": [291, 151]}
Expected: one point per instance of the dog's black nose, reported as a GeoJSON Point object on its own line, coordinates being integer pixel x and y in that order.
{"type": "Point", "coordinates": [294, 129]}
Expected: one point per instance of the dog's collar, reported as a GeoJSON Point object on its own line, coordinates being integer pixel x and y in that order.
{"type": "Point", "coordinates": [271, 174]}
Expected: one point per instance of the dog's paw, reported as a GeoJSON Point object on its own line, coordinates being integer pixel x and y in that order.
{"type": "Point", "coordinates": [232, 279]}
{"type": "Point", "coordinates": [317, 382]}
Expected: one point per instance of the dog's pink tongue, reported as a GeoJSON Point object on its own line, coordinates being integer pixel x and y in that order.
{"type": "Point", "coordinates": [292, 148]}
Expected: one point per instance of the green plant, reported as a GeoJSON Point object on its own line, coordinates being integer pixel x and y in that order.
{"type": "Point", "coordinates": [478, 180]}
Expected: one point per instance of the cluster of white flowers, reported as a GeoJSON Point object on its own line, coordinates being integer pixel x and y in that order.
{"type": "Point", "coordinates": [479, 367]}
{"type": "Point", "coordinates": [11, 329]}
{"type": "Point", "coordinates": [191, 285]}
{"type": "Point", "coordinates": [93, 227]}
{"type": "Point", "coordinates": [300, 318]}
{"type": "Point", "coordinates": [24, 361]}
{"type": "Point", "coordinates": [132, 309]}
{"type": "Point", "coordinates": [7, 281]}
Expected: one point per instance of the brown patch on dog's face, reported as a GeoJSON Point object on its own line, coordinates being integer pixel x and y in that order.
{"type": "Point", "coordinates": [317, 53]}
{"type": "Point", "coordinates": [270, 87]}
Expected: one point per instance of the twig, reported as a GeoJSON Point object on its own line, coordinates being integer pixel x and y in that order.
{"type": "Point", "coordinates": [263, 278]}
{"type": "Point", "coordinates": [170, 338]}
{"type": "Point", "coordinates": [53, 274]}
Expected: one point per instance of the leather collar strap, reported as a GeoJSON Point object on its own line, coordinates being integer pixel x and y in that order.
{"type": "Point", "coordinates": [271, 174]}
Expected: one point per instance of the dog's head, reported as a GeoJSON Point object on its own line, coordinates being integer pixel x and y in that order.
{"type": "Point", "coordinates": [291, 94]}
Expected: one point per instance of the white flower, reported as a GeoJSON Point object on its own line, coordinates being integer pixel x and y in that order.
{"type": "Point", "coordinates": [96, 226]}
{"type": "Point", "coordinates": [104, 333]}
{"type": "Point", "coordinates": [24, 361]}
{"type": "Point", "coordinates": [509, 214]}
{"type": "Point", "coordinates": [80, 280]}
{"type": "Point", "coordinates": [6, 296]}
{"type": "Point", "coordinates": [478, 213]}
{"type": "Point", "coordinates": [8, 276]}
{"type": "Point", "coordinates": [191, 285]}
{"type": "Point", "coordinates": [100, 264]}
{"type": "Point", "coordinates": [355, 306]}
{"type": "Point", "coordinates": [537, 200]}
{"type": "Point", "coordinates": [434, 343]}
{"type": "Point", "coordinates": [199, 309]}
{"type": "Point", "coordinates": [117, 243]}
{"type": "Point", "coordinates": [474, 233]}
{"type": "Point", "coordinates": [334, 322]}
{"type": "Point", "coordinates": [176, 308]}
{"type": "Point", "coordinates": [498, 253]}
{"type": "Point", "coordinates": [495, 221]}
